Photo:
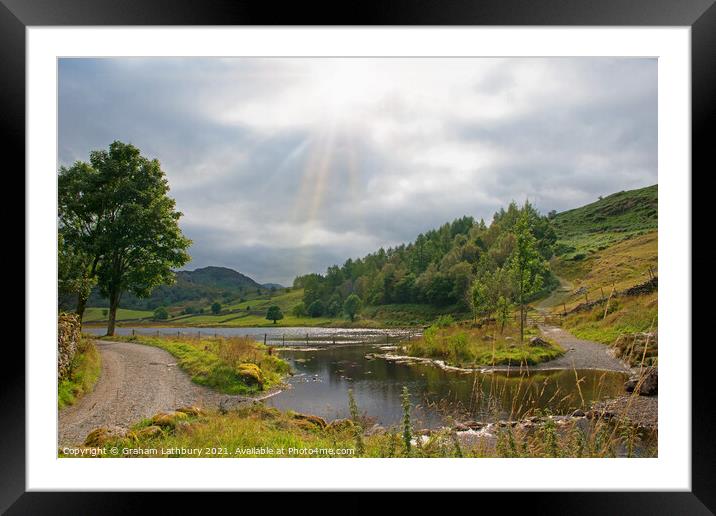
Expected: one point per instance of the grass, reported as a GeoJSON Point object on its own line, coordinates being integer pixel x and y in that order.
{"type": "Point", "coordinates": [598, 225]}
{"type": "Point", "coordinates": [462, 346]}
{"type": "Point", "coordinates": [232, 365]}
{"type": "Point", "coordinates": [85, 371]}
{"type": "Point", "coordinates": [260, 431]}
{"type": "Point", "coordinates": [93, 314]}
{"type": "Point", "coordinates": [625, 315]}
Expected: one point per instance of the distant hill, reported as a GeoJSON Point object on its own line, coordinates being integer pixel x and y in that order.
{"type": "Point", "coordinates": [204, 284]}
{"type": "Point", "coordinates": [276, 286]}
{"type": "Point", "coordinates": [607, 221]}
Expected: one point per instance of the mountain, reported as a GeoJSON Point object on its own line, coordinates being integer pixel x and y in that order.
{"type": "Point", "coordinates": [276, 286]}
{"type": "Point", "coordinates": [216, 277]}
{"type": "Point", "coordinates": [205, 284]}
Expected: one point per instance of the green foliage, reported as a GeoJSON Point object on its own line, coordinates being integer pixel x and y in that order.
{"type": "Point", "coordinates": [161, 314]}
{"type": "Point", "coordinates": [215, 308]}
{"type": "Point", "coordinates": [357, 424]}
{"type": "Point", "coordinates": [274, 314]}
{"type": "Point", "coordinates": [299, 310]}
{"type": "Point", "coordinates": [407, 425]}
{"type": "Point", "coordinates": [352, 306]}
{"type": "Point", "coordinates": [116, 211]}
{"type": "Point", "coordinates": [437, 269]}
{"type": "Point", "coordinates": [316, 308]}
{"type": "Point", "coordinates": [232, 365]}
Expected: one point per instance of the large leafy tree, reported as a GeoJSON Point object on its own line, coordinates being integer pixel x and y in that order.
{"type": "Point", "coordinates": [117, 211]}
{"type": "Point", "coordinates": [526, 265]}
{"type": "Point", "coordinates": [82, 216]}
{"type": "Point", "coordinates": [274, 314]}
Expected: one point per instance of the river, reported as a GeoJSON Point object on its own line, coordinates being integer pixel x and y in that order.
{"type": "Point", "coordinates": [327, 362]}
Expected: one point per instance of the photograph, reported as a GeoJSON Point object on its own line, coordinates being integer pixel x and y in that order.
{"type": "Point", "coordinates": [357, 257]}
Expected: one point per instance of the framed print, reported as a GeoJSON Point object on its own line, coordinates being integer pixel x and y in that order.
{"type": "Point", "coordinates": [428, 246]}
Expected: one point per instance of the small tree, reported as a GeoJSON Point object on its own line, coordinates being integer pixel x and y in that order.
{"type": "Point", "coordinates": [216, 308]}
{"type": "Point", "coordinates": [526, 265]}
{"type": "Point", "coordinates": [352, 306]}
{"type": "Point", "coordinates": [481, 298]}
{"type": "Point", "coordinates": [161, 314]}
{"type": "Point", "coordinates": [503, 309]}
{"type": "Point", "coordinates": [274, 314]}
{"type": "Point", "coordinates": [299, 310]}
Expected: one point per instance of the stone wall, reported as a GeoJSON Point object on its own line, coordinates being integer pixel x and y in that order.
{"type": "Point", "coordinates": [68, 338]}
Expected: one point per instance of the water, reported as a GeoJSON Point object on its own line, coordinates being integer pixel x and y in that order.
{"type": "Point", "coordinates": [332, 361]}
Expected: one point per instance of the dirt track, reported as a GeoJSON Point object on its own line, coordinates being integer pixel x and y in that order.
{"type": "Point", "coordinates": [137, 381]}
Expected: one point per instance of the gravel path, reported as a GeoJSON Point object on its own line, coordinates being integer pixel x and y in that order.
{"type": "Point", "coordinates": [580, 354]}
{"type": "Point", "coordinates": [137, 381]}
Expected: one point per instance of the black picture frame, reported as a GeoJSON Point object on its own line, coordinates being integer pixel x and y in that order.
{"type": "Point", "coordinates": [700, 15]}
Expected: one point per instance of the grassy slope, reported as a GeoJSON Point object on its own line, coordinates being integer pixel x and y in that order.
{"type": "Point", "coordinates": [123, 314]}
{"type": "Point", "coordinates": [615, 244]}
{"type": "Point", "coordinates": [598, 225]}
{"type": "Point", "coordinates": [86, 369]}
{"type": "Point", "coordinates": [222, 363]}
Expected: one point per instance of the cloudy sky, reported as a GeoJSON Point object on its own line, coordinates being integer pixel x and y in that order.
{"type": "Point", "coordinates": [285, 166]}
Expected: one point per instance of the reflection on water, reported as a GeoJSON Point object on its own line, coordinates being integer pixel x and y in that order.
{"type": "Point", "coordinates": [324, 376]}
{"type": "Point", "coordinates": [325, 371]}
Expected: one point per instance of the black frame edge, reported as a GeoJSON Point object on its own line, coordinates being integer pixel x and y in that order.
{"type": "Point", "coordinates": [700, 14]}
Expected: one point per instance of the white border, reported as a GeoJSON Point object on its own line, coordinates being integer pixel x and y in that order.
{"type": "Point", "coordinates": [671, 470]}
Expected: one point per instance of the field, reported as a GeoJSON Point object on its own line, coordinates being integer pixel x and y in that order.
{"type": "Point", "coordinates": [92, 315]}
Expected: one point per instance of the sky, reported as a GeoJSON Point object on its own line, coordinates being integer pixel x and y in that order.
{"type": "Point", "coordinates": [285, 166]}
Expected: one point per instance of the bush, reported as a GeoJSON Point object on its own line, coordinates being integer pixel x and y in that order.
{"type": "Point", "coordinates": [316, 309]}
{"type": "Point", "coordinates": [161, 314]}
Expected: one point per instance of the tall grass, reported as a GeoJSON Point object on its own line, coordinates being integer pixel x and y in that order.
{"type": "Point", "coordinates": [85, 370]}
{"type": "Point", "coordinates": [233, 365]}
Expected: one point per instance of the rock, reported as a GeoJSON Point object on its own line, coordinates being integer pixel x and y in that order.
{"type": "Point", "coordinates": [488, 337]}
{"type": "Point", "coordinates": [646, 381]}
{"type": "Point", "coordinates": [68, 338]}
{"type": "Point", "coordinates": [168, 419]}
{"type": "Point", "coordinates": [475, 425]}
{"type": "Point", "coordinates": [578, 413]}
{"type": "Point", "coordinates": [339, 425]}
{"type": "Point", "coordinates": [251, 374]}
{"type": "Point", "coordinates": [147, 432]}
{"type": "Point", "coordinates": [234, 403]}
{"type": "Point", "coordinates": [313, 420]}
{"type": "Point", "coordinates": [461, 427]}
{"type": "Point", "coordinates": [190, 411]}
{"type": "Point", "coordinates": [637, 347]}
{"type": "Point", "coordinates": [101, 436]}
{"type": "Point", "coordinates": [375, 430]}
{"type": "Point", "coordinates": [538, 342]}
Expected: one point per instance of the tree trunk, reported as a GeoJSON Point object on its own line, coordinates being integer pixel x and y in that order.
{"type": "Point", "coordinates": [81, 304]}
{"type": "Point", "coordinates": [113, 305]}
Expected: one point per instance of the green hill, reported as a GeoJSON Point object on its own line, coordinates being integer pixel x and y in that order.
{"type": "Point", "coordinates": [201, 285]}
{"type": "Point", "coordinates": [598, 225]}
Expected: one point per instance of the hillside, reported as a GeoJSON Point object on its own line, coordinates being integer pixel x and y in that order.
{"type": "Point", "coordinates": [200, 286]}
{"type": "Point", "coordinates": [605, 222]}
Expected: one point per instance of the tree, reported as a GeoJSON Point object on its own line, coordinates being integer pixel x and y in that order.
{"type": "Point", "coordinates": [161, 314]}
{"type": "Point", "coordinates": [526, 266]}
{"type": "Point", "coordinates": [274, 314]}
{"type": "Point", "coordinates": [216, 308]}
{"type": "Point", "coordinates": [299, 310]}
{"type": "Point", "coordinates": [352, 306]}
{"type": "Point", "coordinates": [503, 309]}
{"type": "Point", "coordinates": [116, 211]}
{"type": "Point", "coordinates": [316, 308]}
{"type": "Point", "coordinates": [80, 221]}
{"type": "Point", "coordinates": [481, 298]}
